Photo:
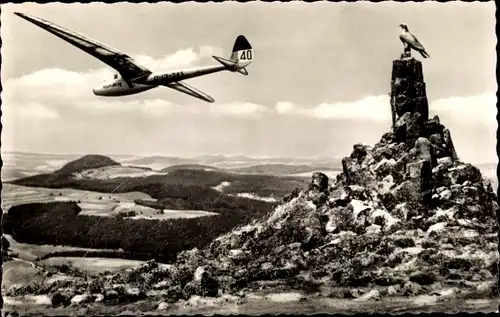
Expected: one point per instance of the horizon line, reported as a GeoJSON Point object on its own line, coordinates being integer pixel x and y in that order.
{"type": "Point", "coordinates": [175, 156]}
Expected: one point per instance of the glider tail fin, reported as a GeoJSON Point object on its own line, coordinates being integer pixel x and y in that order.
{"type": "Point", "coordinates": [241, 56]}
{"type": "Point", "coordinates": [242, 52]}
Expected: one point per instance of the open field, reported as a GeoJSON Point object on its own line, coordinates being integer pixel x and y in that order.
{"type": "Point", "coordinates": [93, 265]}
{"type": "Point", "coordinates": [31, 252]}
{"type": "Point", "coordinates": [332, 174]}
{"type": "Point", "coordinates": [93, 203]}
{"type": "Point", "coordinates": [24, 267]}
{"type": "Point", "coordinates": [253, 196]}
{"type": "Point", "coordinates": [108, 172]}
{"type": "Point", "coordinates": [225, 184]}
{"type": "Point", "coordinates": [20, 272]}
{"type": "Point", "coordinates": [15, 195]}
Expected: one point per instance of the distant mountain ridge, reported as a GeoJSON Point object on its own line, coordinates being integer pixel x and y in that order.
{"type": "Point", "coordinates": [179, 159]}
{"type": "Point", "coordinates": [235, 161]}
{"type": "Point", "coordinates": [22, 164]}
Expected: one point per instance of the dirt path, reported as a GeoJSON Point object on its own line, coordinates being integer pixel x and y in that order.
{"type": "Point", "coordinates": [263, 306]}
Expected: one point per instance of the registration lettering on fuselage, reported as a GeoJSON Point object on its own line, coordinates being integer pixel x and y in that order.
{"type": "Point", "coordinates": [168, 76]}
{"type": "Point", "coordinates": [112, 85]}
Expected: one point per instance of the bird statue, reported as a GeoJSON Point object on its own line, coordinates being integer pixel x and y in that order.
{"type": "Point", "coordinates": [410, 41]}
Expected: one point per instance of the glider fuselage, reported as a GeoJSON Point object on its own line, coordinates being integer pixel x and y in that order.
{"type": "Point", "coordinates": [119, 87]}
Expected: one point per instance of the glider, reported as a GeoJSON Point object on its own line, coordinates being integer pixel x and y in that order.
{"type": "Point", "coordinates": [410, 41]}
{"type": "Point", "coordinates": [133, 78]}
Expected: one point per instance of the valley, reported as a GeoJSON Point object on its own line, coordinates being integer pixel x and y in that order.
{"type": "Point", "coordinates": [138, 195]}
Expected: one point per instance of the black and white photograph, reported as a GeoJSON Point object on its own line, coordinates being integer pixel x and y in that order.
{"type": "Point", "coordinates": [249, 158]}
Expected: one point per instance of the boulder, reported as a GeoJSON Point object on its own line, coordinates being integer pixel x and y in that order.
{"type": "Point", "coordinates": [384, 168]}
{"type": "Point", "coordinates": [393, 290]}
{"type": "Point", "coordinates": [62, 298]}
{"type": "Point", "coordinates": [426, 183]}
{"type": "Point", "coordinates": [5, 243]}
{"type": "Point", "coordinates": [408, 128]}
{"type": "Point", "coordinates": [382, 152]}
{"type": "Point", "coordinates": [488, 288]}
{"type": "Point", "coordinates": [465, 172]}
{"type": "Point", "coordinates": [82, 299]}
{"type": "Point", "coordinates": [423, 149]}
{"type": "Point", "coordinates": [387, 138]}
{"type": "Point", "coordinates": [433, 127]}
{"type": "Point", "coordinates": [436, 229]}
{"type": "Point", "coordinates": [203, 284]}
{"type": "Point", "coordinates": [411, 289]}
{"type": "Point", "coordinates": [404, 211]}
{"type": "Point", "coordinates": [319, 182]}
{"type": "Point", "coordinates": [133, 294]}
{"type": "Point", "coordinates": [407, 192]}
{"type": "Point", "coordinates": [294, 194]}
{"type": "Point", "coordinates": [339, 219]}
{"type": "Point", "coordinates": [444, 163]}
{"type": "Point", "coordinates": [359, 152]}
{"type": "Point", "coordinates": [400, 127]}
{"type": "Point", "coordinates": [450, 148]}
{"type": "Point", "coordinates": [372, 295]}
{"type": "Point", "coordinates": [415, 169]}
{"type": "Point", "coordinates": [373, 229]}
{"type": "Point", "coordinates": [423, 278]}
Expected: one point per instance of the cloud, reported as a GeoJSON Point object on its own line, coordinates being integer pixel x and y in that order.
{"type": "Point", "coordinates": [373, 108]}
{"type": "Point", "coordinates": [35, 111]}
{"type": "Point", "coordinates": [64, 98]}
{"type": "Point", "coordinates": [48, 93]}
{"type": "Point", "coordinates": [159, 107]}
{"type": "Point", "coordinates": [469, 110]}
{"type": "Point", "coordinates": [181, 58]}
{"type": "Point", "coordinates": [149, 107]}
{"type": "Point", "coordinates": [284, 107]}
{"type": "Point", "coordinates": [245, 109]}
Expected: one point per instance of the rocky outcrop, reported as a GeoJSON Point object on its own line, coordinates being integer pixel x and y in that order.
{"type": "Point", "coordinates": [404, 218]}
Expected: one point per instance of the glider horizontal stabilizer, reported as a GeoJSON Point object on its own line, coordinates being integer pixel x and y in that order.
{"type": "Point", "coordinates": [226, 62]}
{"type": "Point", "coordinates": [231, 65]}
{"type": "Point", "coordinates": [243, 71]}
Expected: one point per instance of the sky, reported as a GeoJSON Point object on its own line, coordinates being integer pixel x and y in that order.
{"type": "Point", "coordinates": [318, 84]}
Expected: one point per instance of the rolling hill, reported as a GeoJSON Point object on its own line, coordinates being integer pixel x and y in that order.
{"type": "Point", "coordinates": [229, 199]}
{"type": "Point", "coordinates": [282, 169]}
{"type": "Point", "coordinates": [21, 164]}
{"type": "Point", "coordinates": [198, 167]}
